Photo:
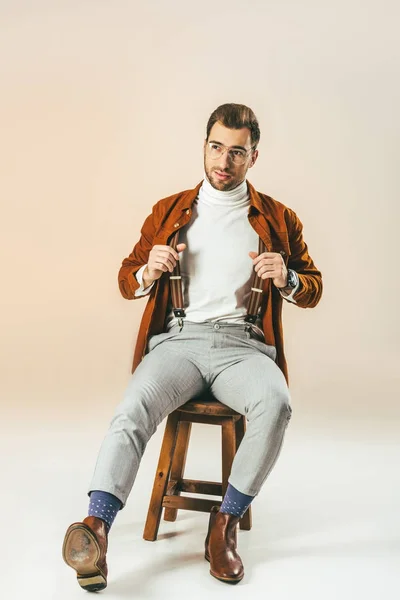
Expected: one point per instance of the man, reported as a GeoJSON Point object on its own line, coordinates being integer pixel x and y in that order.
{"type": "Point", "coordinates": [214, 346]}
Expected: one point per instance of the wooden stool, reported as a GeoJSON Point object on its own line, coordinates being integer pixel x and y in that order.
{"type": "Point", "coordinates": [169, 482]}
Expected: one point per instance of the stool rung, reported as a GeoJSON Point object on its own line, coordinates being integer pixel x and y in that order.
{"type": "Point", "coordinates": [181, 502]}
{"type": "Point", "coordinates": [194, 486]}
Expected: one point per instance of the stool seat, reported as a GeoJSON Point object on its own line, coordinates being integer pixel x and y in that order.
{"type": "Point", "coordinates": [170, 482]}
{"type": "Point", "coordinates": [206, 405]}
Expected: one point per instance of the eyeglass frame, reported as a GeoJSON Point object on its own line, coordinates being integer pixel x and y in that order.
{"type": "Point", "coordinates": [228, 148]}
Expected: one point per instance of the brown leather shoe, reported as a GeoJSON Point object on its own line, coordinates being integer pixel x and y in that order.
{"type": "Point", "coordinates": [84, 549]}
{"type": "Point", "coordinates": [220, 547]}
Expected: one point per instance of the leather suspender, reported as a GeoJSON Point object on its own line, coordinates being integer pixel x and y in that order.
{"type": "Point", "coordinates": [176, 285]}
{"type": "Point", "coordinates": [177, 293]}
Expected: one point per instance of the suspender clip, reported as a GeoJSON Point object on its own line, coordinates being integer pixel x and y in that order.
{"type": "Point", "coordinates": [250, 318]}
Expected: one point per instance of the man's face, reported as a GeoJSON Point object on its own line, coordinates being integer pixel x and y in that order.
{"type": "Point", "coordinates": [223, 173]}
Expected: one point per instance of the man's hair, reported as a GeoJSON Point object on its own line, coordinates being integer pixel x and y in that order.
{"type": "Point", "coordinates": [235, 116]}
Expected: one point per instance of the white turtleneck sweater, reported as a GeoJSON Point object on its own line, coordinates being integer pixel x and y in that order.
{"type": "Point", "coordinates": [216, 269]}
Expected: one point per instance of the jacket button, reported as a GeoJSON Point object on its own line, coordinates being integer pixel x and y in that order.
{"type": "Point", "coordinates": [176, 224]}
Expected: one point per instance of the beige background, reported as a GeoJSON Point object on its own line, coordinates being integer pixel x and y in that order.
{"type": "Point", "coordinates": [103, 108]}
{"type": "Point", "coordinates": [103, 112]}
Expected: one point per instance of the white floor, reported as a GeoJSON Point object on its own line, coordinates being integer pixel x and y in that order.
{"type": "Point", "coordinates": [325, 526]}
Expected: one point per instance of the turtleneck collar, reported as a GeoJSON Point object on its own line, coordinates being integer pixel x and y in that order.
{"type": "Point", "coordinates": [238, 196]}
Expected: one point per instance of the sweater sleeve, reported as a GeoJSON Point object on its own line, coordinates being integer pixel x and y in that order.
{"type": "Point", "coordinates": [142, 291]}
{"type": "Point", "coordinates": [290, 297]}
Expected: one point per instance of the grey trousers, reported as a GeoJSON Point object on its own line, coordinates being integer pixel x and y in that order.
{"type": "Point", "coordinates": [239, 369]}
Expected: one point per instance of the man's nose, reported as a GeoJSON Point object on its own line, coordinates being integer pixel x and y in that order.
{"type": "Point", "coordinates": [224, 160]}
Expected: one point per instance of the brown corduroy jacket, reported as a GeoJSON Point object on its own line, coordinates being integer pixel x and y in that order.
{"type": "Point", "coordinates": [279, 228]}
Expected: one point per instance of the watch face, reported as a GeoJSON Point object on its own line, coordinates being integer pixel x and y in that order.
{"type": "Point", "coordinates": [292, 280]}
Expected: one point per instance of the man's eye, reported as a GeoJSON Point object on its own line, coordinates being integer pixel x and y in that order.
{"type": "Point", "coordinates": [215, 147]}
{"type": "Point", "coordinates": [237, 152]}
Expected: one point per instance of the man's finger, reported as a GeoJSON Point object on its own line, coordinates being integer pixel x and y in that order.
{"type": "Point", "coordinates": [264, 255]}
{"type": "Point", "coordinates": [167, 250]}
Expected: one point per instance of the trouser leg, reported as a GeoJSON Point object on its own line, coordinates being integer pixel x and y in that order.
{"type": "Point", "coordinates": [256, 388]}
{"type": "Point", "coordinates": [161, 382]}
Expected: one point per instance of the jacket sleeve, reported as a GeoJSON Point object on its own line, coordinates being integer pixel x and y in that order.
{"type": "Point", "coordinates": [310, 290]}
{"type": "Point", "coordinates": [139, 256]}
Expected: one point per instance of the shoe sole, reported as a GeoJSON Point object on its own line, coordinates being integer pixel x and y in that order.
{"type": "Point", "coordinates": [81, 552]}
{"type": "Point", "coordinates": [231, 580]}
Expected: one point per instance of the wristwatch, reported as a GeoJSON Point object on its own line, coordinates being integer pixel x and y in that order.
{"type": "Point", "coordinates": [292, 279]}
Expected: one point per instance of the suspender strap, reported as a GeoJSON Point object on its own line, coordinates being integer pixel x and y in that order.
{"type": "Point", "coordinates": [256, 291]}
{"type": "Point", "coordinates": [176, 284]}
{"type": "Point", "coordinates": [177, 293]}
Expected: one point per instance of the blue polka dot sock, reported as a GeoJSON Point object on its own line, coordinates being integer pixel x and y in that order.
{"type": "Point", "coordinates": [234, 502]}
{"type": "Point", "coordinates": [104, 506]}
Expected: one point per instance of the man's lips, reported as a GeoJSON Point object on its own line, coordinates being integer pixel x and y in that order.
{"type": "Point", "coordinates": [222, 175]}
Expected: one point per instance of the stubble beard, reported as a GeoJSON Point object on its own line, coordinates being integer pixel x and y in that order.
{"type": "Point", "coordinates": [222, 186]}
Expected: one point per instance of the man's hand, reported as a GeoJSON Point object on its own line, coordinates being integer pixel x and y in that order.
{"type": "Point", "coordinates": [270, 264]}
{"type": "Point", "coordinates": [161, 259]}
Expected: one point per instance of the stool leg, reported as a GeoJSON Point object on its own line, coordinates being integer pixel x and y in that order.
{"type": "Point", "coordinates": [178, 463]}
{"type": "Point", "coordinates": [245, 521]}
{"type": "Point", "coordinates": [161, 478]}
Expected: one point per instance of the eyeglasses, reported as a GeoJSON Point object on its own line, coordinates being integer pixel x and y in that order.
{"type": "Point", "coordinates": [237, 155]}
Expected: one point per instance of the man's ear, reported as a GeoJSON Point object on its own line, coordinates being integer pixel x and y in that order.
{"type": "Point", "coordinates": [253, 158]}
